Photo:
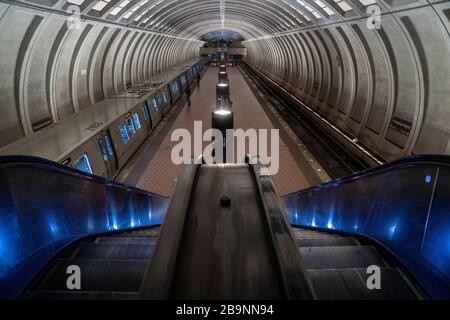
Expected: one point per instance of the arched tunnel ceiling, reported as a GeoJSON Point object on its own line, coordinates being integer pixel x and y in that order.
{"type": "Point", "coordinates": [195, 18]}
{"type": "Point", "coordinates": [386, 86]}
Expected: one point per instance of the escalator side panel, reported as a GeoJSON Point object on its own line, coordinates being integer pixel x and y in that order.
{"type": "Point", "coordinates": [290, 262]}
{"type": "Point", "coordinates": [159, 274]}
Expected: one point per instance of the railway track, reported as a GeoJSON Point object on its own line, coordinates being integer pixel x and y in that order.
{"type": "Point", "coordinates": [337, 161]}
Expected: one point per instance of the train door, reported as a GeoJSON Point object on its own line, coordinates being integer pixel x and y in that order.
{"type": "Point", "coordinates": [190, 75]}
{"type": "Point", "coordinates": [155, 110]}
{"type": "Point", "coordinates": [183, 81]}
{"type": "Point", "coordinates": [108, 153]}
{"type": "Point", "coordinates": [175, 91]}
{"type": "Point", "coordinates": [147, 118]}
{"type": "Point", "coordinates": [165, 100]}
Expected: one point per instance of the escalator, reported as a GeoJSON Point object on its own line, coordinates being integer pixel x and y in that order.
{"type": "Point", "coordinates": [225, 234]}
{"type": "Point", "coordinates": [113, 267]}
{"type": "Point", "coordinates": [400, 208]}
{"type": "Point", "coordinates": [52, 216]}
{"type": "Point", "coordinates": [225, 237]}
{"type": "Point", "coordinates": [337, 269]}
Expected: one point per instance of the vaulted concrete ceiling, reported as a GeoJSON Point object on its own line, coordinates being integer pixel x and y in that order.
{"type": "Point", "coordinates": [387, 87]}
{"type": "Point", "coordinates": [194, 18]}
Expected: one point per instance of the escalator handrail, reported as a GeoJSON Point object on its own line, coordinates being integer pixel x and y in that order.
{"type": "Point", "coordinates": [42, 163]}
{"type": "Point", "coordinates": [440, 160]}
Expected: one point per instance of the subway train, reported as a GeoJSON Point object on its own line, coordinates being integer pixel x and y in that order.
{"type": "Point", "coordinates": [102, 138]}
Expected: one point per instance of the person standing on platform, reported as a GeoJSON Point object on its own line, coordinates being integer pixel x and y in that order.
{"type": "Point", "coordinates": [198, 80]}
{"type": "Point", "coordinates": [188, 95]}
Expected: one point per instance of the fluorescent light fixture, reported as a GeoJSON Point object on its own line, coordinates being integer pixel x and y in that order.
{"type": "Point", "coordinates": [328, 11]}
{"type": "Point", "coordinates": [343, 5]}
{"type": "Point", "coordinates": [310, 9]}
{"type": "Point", "coordinates": [100, 5]}
{"type": "Point", "coordinates": [325, 7]}
{"type": "Point", "coordinates": [367, 2]}
{"type": "Point", "coordinates": [119, 7]}
{"type": "Point", "coordinates": [222, 112]}
{"type": "Point", "coordinates": [116, 10]}
{"type": "Point", "coordinates": [77, 2]}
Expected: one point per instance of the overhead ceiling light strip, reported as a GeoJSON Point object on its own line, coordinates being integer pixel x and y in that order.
{"type": "Point", "coordinates": [222, 14]}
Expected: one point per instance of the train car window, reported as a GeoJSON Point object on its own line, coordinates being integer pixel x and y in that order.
{"type": "Point", "coordinates": [174, 87]}
{"type": "Point", "coordinates": [102, 149]}
{"type": "Point", "coordinates": [146, 115]}
{"type": "Point", "coordinates": [154, 104]}
{"type": "Point", "coordinates": [164, 97]}
{"type": "Point", "coordinates": [83, 164]}
{"type": "Point", "coordinates": [183, 80]}
{"type": "Point", "coordinates": [108, 144]}
{"type": "Point", "coordinates": [130, 127]}
{"type": "Point", "coordinates": [136, 121]}
{"type": "Point", "coordinates": [124, 133]}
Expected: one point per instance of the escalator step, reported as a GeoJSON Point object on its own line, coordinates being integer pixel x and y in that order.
{"type": "Point", "coordinates": [317, 236]}
{"type": "Point", "coordinates": [152, 232]}
{"type": "Point", "coordinates": [340, 257]}
{"type": "Point", "coordinates": [80, 295]}
{"type": "Point", "coordinates": [305, 232]}
{"type": "Point", "coordinates": [351, 284]}
{"type": "Point", "coordinates": [127, 240]}
{"type": "Point", "coordinates": [115, 251]}
{"type": "Point", "coordinates": [140, 233]}
{"type": "Point", "coordinates": [97, 275]}
{"type": "Point", "coordinates": [326, 242]}
{"type": "Point", "coordinates": [313, 234]}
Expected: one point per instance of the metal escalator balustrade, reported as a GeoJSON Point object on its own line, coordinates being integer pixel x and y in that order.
{"type": "Point", "coordinates": [45, 207]}
{"type": "Point", "coordinates": [403, 206]}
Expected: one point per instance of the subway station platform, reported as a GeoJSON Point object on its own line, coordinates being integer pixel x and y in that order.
{"type": "Point", "coordinates": [159, 174]}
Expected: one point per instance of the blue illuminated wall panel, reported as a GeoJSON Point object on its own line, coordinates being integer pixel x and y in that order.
{"type": "Point", "coordinates": [404, 206]}
{"type": "Point", "coordinates": [44, 207]}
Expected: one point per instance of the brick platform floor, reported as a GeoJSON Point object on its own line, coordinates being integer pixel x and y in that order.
{"type": "Point", "coordinates": [161, 173]}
